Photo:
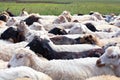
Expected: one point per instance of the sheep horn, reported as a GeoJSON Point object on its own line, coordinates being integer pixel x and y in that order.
{"type": "Point", "coordinates": [7, 9]}
{"type": "Point", "coordinates": [23, 9]}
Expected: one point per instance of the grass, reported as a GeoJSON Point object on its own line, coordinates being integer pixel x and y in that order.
{"type": "Point", "coordinates": [78, 6]}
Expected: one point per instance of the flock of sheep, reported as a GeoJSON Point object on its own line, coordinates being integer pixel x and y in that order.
{"type": "Point", "coordinates": [64, 47]}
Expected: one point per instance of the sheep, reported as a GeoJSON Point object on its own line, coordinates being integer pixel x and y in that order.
{"type": "Point", "coordinates": [107, 42]}
{"type": "Point", "coordinates": [57, 31]}
{"type": "Point", "coordinates": [60, 19]}
{"type": "Point", "coordinates": [101, 42]}
{"type": "Point", "coordinates": [110, 58]}
{"type": "Point", "coordinates": [98, 16]}
{"type": "Point", "coordinates": [78, 29]}
{"type": "Point", "coordinates": [102, 27]}
{"type": "Point", "coordinates": [85, 39]}
{"type": "Point", "coordinates": [104, 77]}
{"type": "Point", "coordinates": [60, 40]}
{"type": "Point", "coordinates": [76, 69]}
{"type": "Point", "coordinates": [22, 72]}
{"type": "Point", "coordinates": [12, 22]}
{"type": "Point", "coordinates": [84, 18]}
{"type": "Point", "coordinates": [13, 35]}
{"type": "Point", "coordinates": [28, 33]}
{"type": "Point", "coordinates": [82, 29]}
{"type": "Point", "coordinates": [36, 26]}
{"type": "Point", "coordinates": [67, 15]}
{"type": "Point", "coordinates": [7, 48]}
{"type": "Point", "coordinates": [91, 27]}
{"type": "Point", "coordinates": [116, 23]}
{"type": "Point", "coordinates": [32, 18]}
{"type": "Point", "coordinates": [47, 49]}
{"type": "Point", "coordinates": [4, 16]}
{"type": "Point", "coordinates": [68, 25]}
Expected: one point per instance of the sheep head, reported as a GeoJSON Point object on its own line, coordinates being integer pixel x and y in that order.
{"type": "Point", "coordinates": [22, 57]}
{"type": "Point", "coordinates": [110, 57]}
{"type": "Point", "coordinates": [90, 39]}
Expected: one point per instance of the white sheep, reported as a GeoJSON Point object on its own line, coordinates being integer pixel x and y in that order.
{"type": "Point", "coordinates": [76, 69]}
{"type": "Point", "coordinates": [22, 72]}
{"type": "Point", "coordinates": [7, 48]}
{"type": "Point", "coordinates": [102, 27]}
{"type": "Point", "coordinates": [29, 33]}
{"type": "Point", "coordinates": [79, 29]}
{"type": "Point", "coordinates": [60, 19]}
{"type": "Point", "coordinates": [36, 26]}
{"type": "Point", "coordinates": [111, 57]}
{"type": "Point", "coordinates": [14, 21]}
{"type": "Point", "coordinates": [98, 16]}
{"type": "Point", "coordinates": [84, 18]}
{"type": "Point", "coordinates": [104, 77]}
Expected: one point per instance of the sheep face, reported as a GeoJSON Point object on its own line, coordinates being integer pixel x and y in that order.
{"type": "Point", "coordinates": [78, 29]}
{"type": "Point", "coordinates": [22, 26]}
{"type": "Point", "coordinates": [19, 59]}
{"type": "Point", "coordinates": [11, 21]}
{"type": "Point", "coordinates": [110, 57]}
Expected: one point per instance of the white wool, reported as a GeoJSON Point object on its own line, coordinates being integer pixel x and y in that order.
{"type": "Point", "coordinates": [73, 36]}
{"type": "Point", "coordinates": [104, 77]}
{"type": "Point", "coordinates": [3, 64]}
{"type": "Point", "coordinates": [46, 21]}
{"type": "Point", "coordinates": [73, 48]}
{"type": "Point", "coordinates": [84, 18]}
{"type": "Point", "coordinates": [37, 26]}
{"type": "Point", "coordinates": [111, 40]}
{"type": "Point", "coordinates": [98, 16]}
{"type": "Point", "coordinates": [7, 49]}
{"type": "Point", "coordinates": [76, 69]}
{"type": "Point", "coordinates": [22, 72]}
{"type": "Point", "coordinates": [79, 29]}
{"type": "Point", "coordinates": [117, 23]}
{"type": "Point", "coordinates": [60, 19]}
{"type": "Point", "coordinates": [23, 79]}
{"type": "Point", "coordinates": [14, 21]}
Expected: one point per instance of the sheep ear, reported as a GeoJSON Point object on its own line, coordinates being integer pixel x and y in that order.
{"type": "Point", "coordinates": [23, 9]}
{"type": "Point", "coordinates": [7, 9]}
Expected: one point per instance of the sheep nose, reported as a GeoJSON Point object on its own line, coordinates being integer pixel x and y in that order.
{"type": "Point", "coordinates": [99, 63]}
{"type": "Point", "coordinates": [8, 65]}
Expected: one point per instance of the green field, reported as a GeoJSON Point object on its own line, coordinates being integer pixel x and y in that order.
{"type": "Point", "coordinates": [75, 6]}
